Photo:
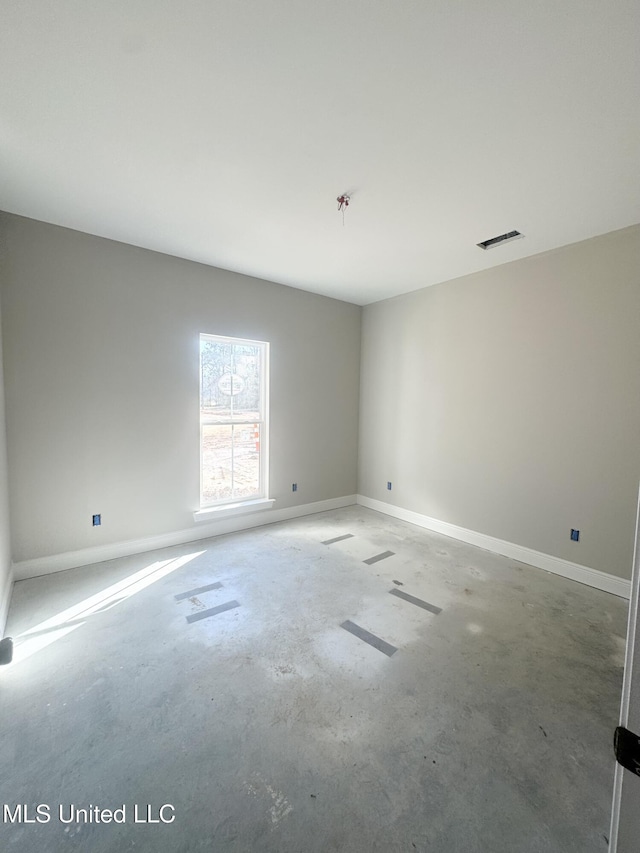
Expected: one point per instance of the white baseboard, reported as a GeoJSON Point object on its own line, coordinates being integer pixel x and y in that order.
{"type": "Point", "coordinates": [87, 556]}
{"type": "Point", "coordinates": [573, 571]}
{"type": "Point", "coordinates": [5, 600]}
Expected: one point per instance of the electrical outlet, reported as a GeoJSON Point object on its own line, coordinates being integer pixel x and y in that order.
{"type": "Point", "coordinates": [575, 535]}
{"type": "Point", "coordinates": [389, 486]}
{"type": "Point", "coordinates": [294, 487]}
{"type": "Point", "coordinates": [96, 520]}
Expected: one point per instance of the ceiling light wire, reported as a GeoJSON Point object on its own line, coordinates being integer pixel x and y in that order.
{"type": "Point", "coordinates": [343, 203]}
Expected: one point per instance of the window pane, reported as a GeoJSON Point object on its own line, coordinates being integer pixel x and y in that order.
{"type": "Point", "coordinates": [230, 379]}
{"type": "Point", "coordinates": [230, 462]}
{"type": "Point", "coordinates": [215, 387]}
{"type": "Point", "coordinates": [246, 460]}
{"type": "Point", "coordinates": [246, 382]}
{"type": "Point", "coordinates": [233, 393]}
{"type": "Point", "coordinates": [217, 454]}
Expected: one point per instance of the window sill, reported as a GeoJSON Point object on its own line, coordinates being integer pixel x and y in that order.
{"type": "Point", "coordinates": [213, 513]}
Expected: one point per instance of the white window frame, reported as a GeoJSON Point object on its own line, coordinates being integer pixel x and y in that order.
{"type": "Point", "coordinates": [260, 500]}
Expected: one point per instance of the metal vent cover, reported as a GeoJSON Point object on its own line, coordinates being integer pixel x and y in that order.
{"type": "Point", "coordinates": [500, 240]}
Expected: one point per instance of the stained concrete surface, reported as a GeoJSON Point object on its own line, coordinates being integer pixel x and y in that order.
{"type": "Point", "coordinates": [268, 727]}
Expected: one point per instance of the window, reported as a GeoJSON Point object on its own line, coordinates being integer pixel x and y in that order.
{"type": "Point", "coordinates": [233, 422]}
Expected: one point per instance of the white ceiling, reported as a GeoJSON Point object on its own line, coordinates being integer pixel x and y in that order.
{"type": "Point", "coordinates": [224, 131]}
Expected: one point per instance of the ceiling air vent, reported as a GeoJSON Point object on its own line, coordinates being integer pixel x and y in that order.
{"type": "Point", "coordinates": [501, 240]}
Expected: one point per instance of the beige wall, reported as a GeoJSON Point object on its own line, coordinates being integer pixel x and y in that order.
{"type": "Point", "coordinates": [508, 401]}
{"type": "Point", "coordinates": [5, 547]}
{"type": "Point", "coordinates": [505, 402]}
{"type": "Point", "coordinates": [101, 381]}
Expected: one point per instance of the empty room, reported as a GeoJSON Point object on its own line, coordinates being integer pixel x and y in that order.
{"type": "Point", "coordinates": [319, 427]}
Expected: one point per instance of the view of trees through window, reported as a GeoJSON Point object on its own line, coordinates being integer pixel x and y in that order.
{"type": "Point", "coordinates": [231, 419]}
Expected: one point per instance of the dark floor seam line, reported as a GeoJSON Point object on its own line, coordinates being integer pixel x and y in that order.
{"type": "Point", "coordinates": [368, 637]}
{"type": "Point", "coordinates": [417, 601]}
{"type": "Point", "coordinates": [213, 611]}
{"type": "Point", "coordinates": [337, 539]}
{"type": "Point", "coordinates": [379, 557]}
{"type": "Point", "coordinates": [198, 590]}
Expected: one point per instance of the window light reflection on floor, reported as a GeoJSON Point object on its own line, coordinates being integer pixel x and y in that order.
{"type": "Point", "coordinates": [58, 626]}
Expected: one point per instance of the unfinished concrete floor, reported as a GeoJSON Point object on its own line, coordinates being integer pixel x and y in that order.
{"type": "Point", "coordinates": [269, 727]}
